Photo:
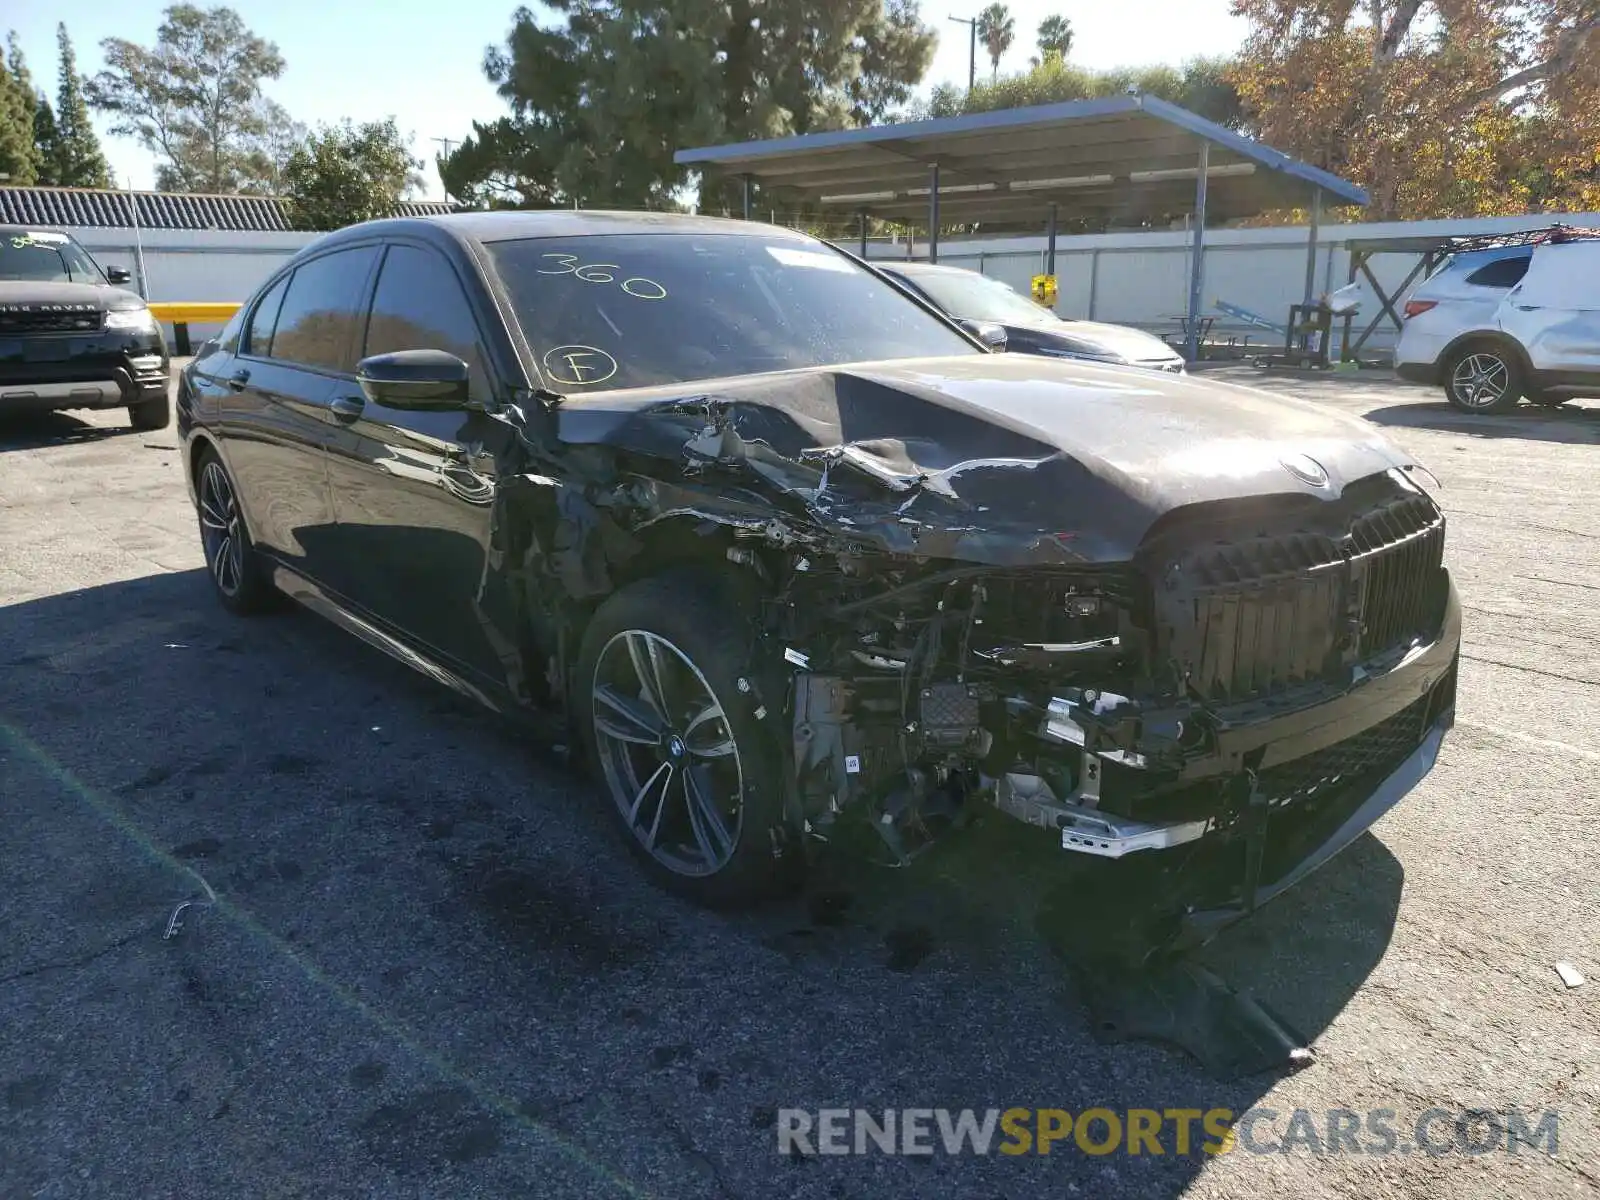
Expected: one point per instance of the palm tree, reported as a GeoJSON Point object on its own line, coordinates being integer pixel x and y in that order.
{"type": "Point", "coordinates": [997, 29]}
{"type": "Point", "coordinates": [1055, 37]}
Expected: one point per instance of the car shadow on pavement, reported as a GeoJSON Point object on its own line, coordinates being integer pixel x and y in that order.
{"type": "Point", "coordinates": [32, 431]}
{"type": "Point", "coordinates": [431, 958]}
{"type": "Point", "coordinates": [1570, 423]}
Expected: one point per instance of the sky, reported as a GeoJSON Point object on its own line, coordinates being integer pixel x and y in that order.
{"type": "Point", "coordinates": [422, 62]}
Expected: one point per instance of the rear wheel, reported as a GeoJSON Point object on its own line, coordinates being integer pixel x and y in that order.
{"type": "Point", "coordinates": [1483, 379]}
{"type": "Point", "coordinates": [235, 568]}
{"type": "Point", "coordinates": [692, 774]}
{"type": "Point", "coordinates": [151, 415]}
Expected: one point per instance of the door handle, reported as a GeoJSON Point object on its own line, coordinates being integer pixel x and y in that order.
{"type": "Point", "coordinates": [347, 408]}
{"type": "Point", "coordinates": [238, 379]}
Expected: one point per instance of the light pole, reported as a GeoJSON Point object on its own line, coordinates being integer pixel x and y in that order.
{"type": "Point", "coordinates": [446, 143]}
{"type": "Point", "coordinates": [972, 55]}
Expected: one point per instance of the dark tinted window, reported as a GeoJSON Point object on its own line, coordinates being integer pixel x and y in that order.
{"type": "Point", "coordinates": [632, 310]}
{"type": "Point", "coordinates": [1503, 272]}
{"type": "Point", "coordinates": [262, 320]}
{"type": "Point", "coordinates": [317, 324]}
{"type": "Point", "coordinates": [419, 305]}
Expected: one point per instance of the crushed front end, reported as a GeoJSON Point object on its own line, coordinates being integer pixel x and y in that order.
{"type": "Point", "coordinates": [1234, 705]}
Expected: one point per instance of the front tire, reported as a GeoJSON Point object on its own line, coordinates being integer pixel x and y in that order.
{"type": "Point", "coordinates": [151, 416]}
{"type": "Point", "coordinates": [1483, 378]}
{"type": "Point", "coordinates": [692, 774]}
{"type": "Point", "coordinates": [231, 560]}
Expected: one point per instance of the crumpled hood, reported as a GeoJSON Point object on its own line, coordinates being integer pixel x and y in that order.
{"type": "Point", "coordinates": [1093, 337]}
{"type": "Point", "coordinates": [997, 457]}
{"type": "Point", "coordinates": [32, 291]}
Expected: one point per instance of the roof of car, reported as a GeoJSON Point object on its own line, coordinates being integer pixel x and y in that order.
{"type": "Point", "coordinates": [511, 224]}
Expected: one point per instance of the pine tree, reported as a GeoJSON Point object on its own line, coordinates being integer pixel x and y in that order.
{"type": "Point", "coordinates": [76, 158]}
{"type": "Point", "coordinates": [46, 136]}
{"type": "Point", "coordinates": [19, 157]}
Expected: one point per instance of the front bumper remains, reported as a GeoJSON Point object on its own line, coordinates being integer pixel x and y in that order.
{"type": "Point", "coordinates": [112, 369]}
{"type": "Point", "coordinates": [1302, 786]}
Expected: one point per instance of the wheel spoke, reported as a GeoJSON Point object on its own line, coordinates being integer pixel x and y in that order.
{"type": "Point", "coordinates": [628, 720]}
{"type": "Point", "coordinates": [713, 740]}
{"type": "Point", "coordinates": [210, 517]}
{"type": "Point", "coordinates": [710, 831]}
{"type": "Point", "coordinates": [222, 564]}
{"type": "Point", "coordinates": [660, 782]}
{"type": "Point", "coordinates": [647, 666]}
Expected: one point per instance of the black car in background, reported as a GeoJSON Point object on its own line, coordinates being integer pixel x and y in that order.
{"type": "Point", "coordinates": [781, 547]}
{"type": "Point", "coordinates": [70, 337]}
{"type": "Point", "coordinates": [978, 300]}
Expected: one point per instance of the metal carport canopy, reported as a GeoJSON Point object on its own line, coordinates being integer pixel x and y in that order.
{"type": "Point", "coordinates": [1133, 157]}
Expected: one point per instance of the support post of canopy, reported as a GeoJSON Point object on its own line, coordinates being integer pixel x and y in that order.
{"type": "Point", "coordinates": [1197, 265]}
{"type": "Point", "coordinates": [933, 212]}
{"type": "Point", "coordinates": [1311, 244]}
{"type": "Point", "coordinates": [861, 220]}
{"type": "Point", "coordinates": [746, 197]}
{"type": "Point", "coordinates": [1050, 254]}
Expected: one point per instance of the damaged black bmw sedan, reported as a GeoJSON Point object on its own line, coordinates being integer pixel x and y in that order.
{"type": "Point", "coordinates": [779, 547]}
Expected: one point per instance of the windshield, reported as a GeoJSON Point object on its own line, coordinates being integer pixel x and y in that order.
{"type": "Point", "coordinates": [45, 258]}
{"type": "Point", "coordinates": [969, 296]}
{"type": "Point", "coordinates": [634, 310]}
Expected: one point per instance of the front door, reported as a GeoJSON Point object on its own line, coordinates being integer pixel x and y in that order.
{"type": "Point", "coordinates": [413, 492]}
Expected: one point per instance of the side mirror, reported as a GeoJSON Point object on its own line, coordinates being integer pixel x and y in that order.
{"type": "Point", "coordinates": [118, 275]}
{"type": "Point", "coordinates": [432, 380]}
{"type": "Point", "coordinates": [987, 332]}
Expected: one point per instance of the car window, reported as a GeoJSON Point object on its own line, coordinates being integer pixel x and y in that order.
{"type": "Point", "coordinates": [969, 296]}
{"type": "Point", "coordinates": [258, 340]}
{"type": "Point", "coordinates": [632, 310]}
{"type": "Point", "coordinates": [419, 305]}
{"type": "Point", "coordinates": [1503, 272]}
{"type": "Point", "coordinates": [41, 256]}
{"type": "Point", "coordinates": [317, 322]}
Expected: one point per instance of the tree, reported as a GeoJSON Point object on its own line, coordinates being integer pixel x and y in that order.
{"type": "Point", "coordinates": [1200, 85]}
{"type": "Point", "coordinates": [19, 112]}
{"type": "Point", "coordinates": [1055, 37]}
{"type": "Point", "coordinates": [46, 139]}
{"type": "Point", "coordinates": [195, 99]}
{"type": "Point", "coordinates": [74, 155]}
{"type": "Point", "coordinates": [600, 101]}
{"type": "Point", "coordinates": [997, 29]}
{"type": "Point", "coordinates": [347, 173]}
{"type": "Point", "coordinates": [1437, 107]}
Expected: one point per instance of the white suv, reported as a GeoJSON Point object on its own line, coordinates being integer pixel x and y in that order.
{"type": "Point", "coordinates": [1507, 320]}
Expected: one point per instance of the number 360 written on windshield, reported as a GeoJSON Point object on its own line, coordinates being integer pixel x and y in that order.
{"type": "Point", "coordinates": [636, 286]}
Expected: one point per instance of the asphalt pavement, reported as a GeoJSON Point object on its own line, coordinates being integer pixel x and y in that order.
{"type": "Point", "coordinates": [417, 962]}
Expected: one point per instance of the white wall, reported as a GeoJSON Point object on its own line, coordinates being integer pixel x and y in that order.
{"type": "Point", "coordinates": [192, 264]}
{"type": "Point", "coordinates": [1143, 278]}
{"type": "Point", "coordinates": [1131, 278]}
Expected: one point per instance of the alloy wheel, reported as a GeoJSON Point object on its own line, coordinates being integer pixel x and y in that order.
{"type": "Point", "coordinates": [221, 531]}
{"type": "Point", "coordinates": [1480, 380]}
{"type": "Point", "coordinates": [667, 752]}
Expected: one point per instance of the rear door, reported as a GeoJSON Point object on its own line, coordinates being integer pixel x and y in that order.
{"type": "Point", "coordinates": [1554, 312]}
{"type": "Point", "coordinates": [272, 399]}
{"type": "Point", "coordinates": [413, 491]}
